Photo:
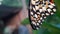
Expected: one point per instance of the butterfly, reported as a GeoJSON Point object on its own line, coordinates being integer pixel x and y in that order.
{"type": "Point", "coordinates": [39, 10]}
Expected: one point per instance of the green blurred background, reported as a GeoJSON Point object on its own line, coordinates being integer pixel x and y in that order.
{"type": "Point", "coordinates": [51, 25]}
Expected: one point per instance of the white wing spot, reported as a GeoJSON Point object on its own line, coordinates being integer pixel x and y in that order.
{"type": "Point", "coordinates": [54, 10]}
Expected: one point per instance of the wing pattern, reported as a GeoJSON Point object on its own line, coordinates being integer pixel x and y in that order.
{"type": "Point", "coordinates": [39, 10]}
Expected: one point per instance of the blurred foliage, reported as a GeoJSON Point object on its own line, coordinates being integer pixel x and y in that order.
{"type": "Point", "coordinates": [51, 25]}
{"type": "Point", "coordinates": [25, 21]}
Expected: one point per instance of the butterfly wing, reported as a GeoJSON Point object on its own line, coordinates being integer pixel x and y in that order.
{"type": "Point", "coordinates": [39, 10]}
